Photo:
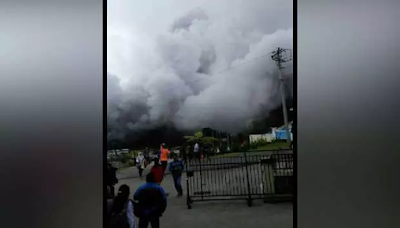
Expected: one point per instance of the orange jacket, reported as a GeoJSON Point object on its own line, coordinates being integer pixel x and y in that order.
{"type": "Point", "coordinates": [164, 154]}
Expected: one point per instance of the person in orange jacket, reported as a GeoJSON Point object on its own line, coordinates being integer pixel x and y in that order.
{"type": "Point", "coordinates": [164, 153]}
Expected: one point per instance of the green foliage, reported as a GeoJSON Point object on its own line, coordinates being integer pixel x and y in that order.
{"type": "Point", "coordinates": [258, 143]}
{"type": "Point", "coordinates": [199, 137]}
{"type": "Point", "coordinates": [125, 158]}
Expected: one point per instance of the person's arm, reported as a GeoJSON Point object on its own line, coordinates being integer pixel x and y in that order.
{"type": "Point", "coordinates": [129, 214]}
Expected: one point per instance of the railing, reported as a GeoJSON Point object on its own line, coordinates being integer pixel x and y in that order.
{"type": "Point", "coordinates": [267, 176]}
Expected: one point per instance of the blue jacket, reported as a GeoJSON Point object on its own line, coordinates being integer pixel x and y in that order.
{"type": "Point", "coordinates": [151, 200]}
{"type": "Point", "coordinates": [176, 167]}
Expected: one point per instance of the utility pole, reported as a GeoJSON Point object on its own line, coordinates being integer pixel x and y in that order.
{"type": "Point", "coordinates": [277, 57]}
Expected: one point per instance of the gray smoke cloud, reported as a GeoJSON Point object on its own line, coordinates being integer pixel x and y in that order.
{"type": "Point", "coordinates": [201, 64]}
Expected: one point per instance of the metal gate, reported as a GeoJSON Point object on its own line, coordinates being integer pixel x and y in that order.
{"type": "Point", "coordinates": [248, 176]}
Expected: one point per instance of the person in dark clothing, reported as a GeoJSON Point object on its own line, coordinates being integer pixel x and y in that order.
{"type": "Point", "coordinates": [111, 178]}
{"type": "Point", "coordinates": [120, 210]}
{"type": "Point", "coordinates": [150, 203]}
{"type": "Point", "coordinates": [176, 168]}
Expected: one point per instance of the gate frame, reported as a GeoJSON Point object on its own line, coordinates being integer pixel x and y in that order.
{"type": "Point", "coordinates": [272, 198]}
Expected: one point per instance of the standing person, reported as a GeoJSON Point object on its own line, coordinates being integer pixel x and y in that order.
{"type": "Point", "coordinates": [151, 203]}
{"type": "Point", "coordinates": [196, 151]}
{"type": "Point", "coordinates": [111, 178]}
{"type": "Point", "coordinates": [164, 156]}
{"type": "Point", "coordinates": [141, 163]}
{"type": "Point", "coordinates": [176, 168]}
{"type": "Point", "coordinates": [121, 210]}
{"type": "Point", "coordinates": [158, 171]}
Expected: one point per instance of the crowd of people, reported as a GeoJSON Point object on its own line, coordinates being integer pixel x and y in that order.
{"type": "Point", "coordinates": [149, 200]}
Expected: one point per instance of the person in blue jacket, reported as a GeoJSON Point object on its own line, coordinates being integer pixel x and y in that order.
{"type": "Point", "coordinates": [150, 203]}
{"type": "Point", "coordinates": [176, 168]}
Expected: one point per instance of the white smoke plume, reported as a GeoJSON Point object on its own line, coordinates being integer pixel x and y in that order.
{"type": "Point", "coordinates": [193, 64]}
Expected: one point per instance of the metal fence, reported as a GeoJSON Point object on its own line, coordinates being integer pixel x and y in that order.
{"type": "Point", "coordinates": [267, 176]}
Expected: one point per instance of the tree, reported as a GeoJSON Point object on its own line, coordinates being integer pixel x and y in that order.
{"type": "Point", "coordinates": [199, 137]}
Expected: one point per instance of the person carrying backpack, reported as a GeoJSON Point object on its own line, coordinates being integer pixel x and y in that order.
{"type": "Point", "coordinates": [150, 203]}
{"type": "Point", "coordinates": [121, 210]}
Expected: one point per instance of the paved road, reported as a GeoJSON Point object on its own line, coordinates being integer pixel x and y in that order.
{"type": "Point", "coordinates": [232, 214]}
{"type": "Point", "coordinates": [211, 163]}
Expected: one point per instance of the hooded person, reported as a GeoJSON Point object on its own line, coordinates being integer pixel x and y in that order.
{"type": "Point", "coordinates": [150, 203]}
{"type": "Point", "coordinates": [120, 213]}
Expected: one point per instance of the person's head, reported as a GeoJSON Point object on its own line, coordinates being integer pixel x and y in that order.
{"type": "Point", "coordinates": [124, 191]}
{"type": "Point", "coordinates": [175, 157]}
{"type": "Point", "coordinates": [121, 198]}
{"type": "Point", "coordinates": [156, 162]}
{"type": "Point", "coordinates": [150, 178]}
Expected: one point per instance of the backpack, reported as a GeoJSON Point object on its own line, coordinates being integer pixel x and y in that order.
{"type": "Point", "coordinates": [119, 220]}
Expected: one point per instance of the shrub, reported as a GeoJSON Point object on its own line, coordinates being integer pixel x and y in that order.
{"type": "Point", "coordinates": [258, 143]}
{"type": "Point", "coordinates": [124, 158]}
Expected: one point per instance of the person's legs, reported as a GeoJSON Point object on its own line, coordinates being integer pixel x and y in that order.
{"type": "Point", "coordinates": [155, 223]}
{"type": "Point", "coordinates": [179, 185]}
{"type": "Point", "coordinates": [176, 182]}
{"type": "Point", "coordinates": [164, 165]}
{"type": "Point", "coordinates": [143, 223]}
{"type": "Point", "coordinates": [140, 171]}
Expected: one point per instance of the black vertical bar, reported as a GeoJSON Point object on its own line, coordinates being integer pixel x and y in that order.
{"type": "Point", "coordinates": [234, 175]}
{"type": "Point", "coordinates": [215, 182]}
{"type": "Point", "coordinates": [232, 172]}
{"type": "Point", "coordinates": [219, 177]}
{"type": "Point", "coordinates": [201, 181]}
{"type": "Point", "coordinates": [187, 185]}
{"type": "Point", "coordinates": [249, 203]}
{"type": "Point", "coordinates": [243, 167]}
{"type": "Point", "coordinates": [226, 178]}
{"type": "Point", "coordinates": [207, 175]}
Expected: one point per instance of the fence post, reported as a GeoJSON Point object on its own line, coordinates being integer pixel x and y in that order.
{"type": "Point", "coordinates": [188, 199]}
{"type": "Point", "coordinates": [249, 200]}
{"type": "Point", "coordinates": [201, 181]}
